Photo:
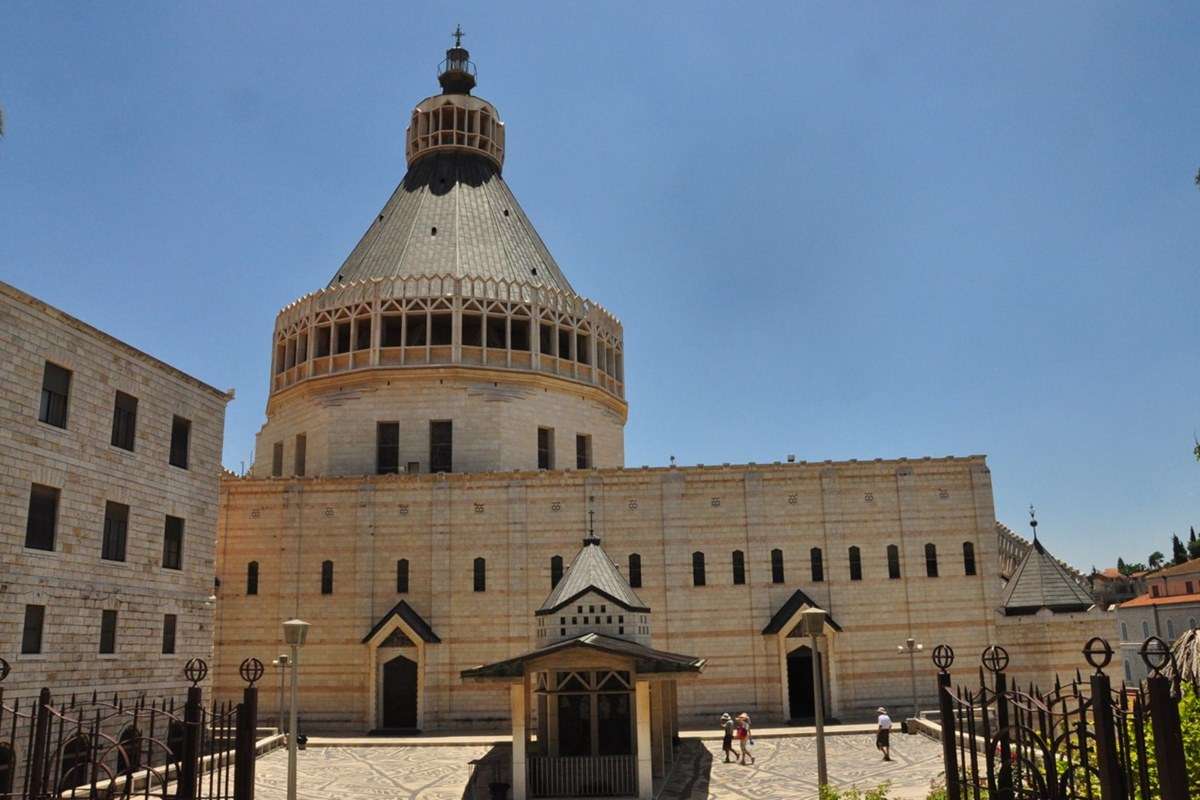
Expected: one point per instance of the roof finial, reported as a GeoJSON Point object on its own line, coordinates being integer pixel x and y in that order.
{"type": "Point", "coordinates": [1033, 521]}
{"type": "Point", "coordinates": [457, 74]}
{"type": "Point", "coordinates": [591, 538]}
{"type": "Point", "coordinates": [458, 34]}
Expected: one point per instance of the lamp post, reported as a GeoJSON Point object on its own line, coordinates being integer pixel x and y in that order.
{"type": "Point", "coordinates": [281, 662]}
{"type": "Point", "coordinates": [812, 621]}
{"type": "Point", "coordinates": [295, 631]}
{"type": "Point", "coordinates": [911, 647]}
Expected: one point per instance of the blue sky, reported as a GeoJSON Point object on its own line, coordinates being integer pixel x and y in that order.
{"type": "Point", "coordinates": [837, 230]}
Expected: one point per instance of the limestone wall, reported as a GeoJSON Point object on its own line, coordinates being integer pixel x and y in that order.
{"type": "Point", "coordinates": [519, 521]}
{"type": "Point", "coordinates": [72, 581]}
{"type": "Point", "coordinates": [496, 415]}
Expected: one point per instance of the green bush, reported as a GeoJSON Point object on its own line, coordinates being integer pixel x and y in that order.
{"type": "Point", "coordinates": [880, 792]}
{"type": "Point", "coordinates": [1189, 716]}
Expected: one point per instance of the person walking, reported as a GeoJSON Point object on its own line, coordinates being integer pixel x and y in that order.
{"type": "Point", "coordinates": [745, 740]}
{"type": "Point", "coordinates": [727, 742]}
{"type": "Point", "coordinates": [883, 733]}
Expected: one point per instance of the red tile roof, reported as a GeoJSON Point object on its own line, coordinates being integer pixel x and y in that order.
{"type": "Point", "coordinates": [1166, 600]}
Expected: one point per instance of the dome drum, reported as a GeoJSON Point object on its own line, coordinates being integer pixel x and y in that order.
{"type": "Point", "coordinates": [455, 122]}
{"type": "Point", "coordinates": [443, 320]}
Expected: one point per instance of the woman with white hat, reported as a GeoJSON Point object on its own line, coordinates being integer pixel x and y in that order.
{"type": "Point", "coordinates": [743, 735]}
{"type": "Point", "coordinates": [883, 732]}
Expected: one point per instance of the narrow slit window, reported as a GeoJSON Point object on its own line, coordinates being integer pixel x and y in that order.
{"type": "Point", "coordinates": [173, 543]}
{"type": "Point", "coordinates": [818, 564]}
{"type": "Point", "coordinates": [556, 570]}
{"type": "Point", "coordinates": [31, 634]}
{"type": "Point", "coordinates": [583, 451]}
{"type": "Point", "coordinates": [277, 460]}
{"type": "Point", "coordinates": [698, 576]}
{"type": "Point", "coordinates": [931, 560]}
{"type": "Point", "coordinates": [441, 446]}
{"type": "Point", "coordinates": [108, 631]}
{"type": "Point", "coordinates": [387, 448]}
{"type": "Point", "coordinates": [855, 564]}
{"type": "Point", "coordinates": [776, 566]}
{"type": "Point", "coordinates": [181, 437]}
{"type": "Point", "coordinates": [326, 577]}
{"type": "Point", "coordinates": [300, 458]}
{"type": "Point", "coordinates": [402, 576]}
{"type": "Point", "coordinates": [168, 636]}
{"type": "Point", "coordinates": [893, 561]}
{"type": "Point", "coordinates": [635, 571]}
{"type": "Point", "coordinates": [480, 575]}
{"type": "Point", "coordinates": [545, 448]}
{"type": "Point", "coordinates": [969, 560]}
{"type": "Point", "coordinates": [739, 567]}
{"type": "Point", "coordinates": [252, 578]}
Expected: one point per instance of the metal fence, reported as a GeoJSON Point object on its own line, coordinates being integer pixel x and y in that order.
{"type": "Point", "coordinates": [581, 776]}
{"type": "Point", "coordinates": [94, 747]}
{"type": "Point", "coordinates": [1080, 739]}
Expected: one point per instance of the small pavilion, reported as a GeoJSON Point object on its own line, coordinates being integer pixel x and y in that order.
{"type": "Point", "coordinates": [594, 710]}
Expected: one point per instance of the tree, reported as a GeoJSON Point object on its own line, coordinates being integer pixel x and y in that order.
{"type": "Point", "coordinates": [1178, 551]}
{"type": "Point", "coordinates": [1193, 545]}
{"type": "Point", "coordinates": [1121, 566]}
{"type": "Point", "coordinates": [1156, 559]}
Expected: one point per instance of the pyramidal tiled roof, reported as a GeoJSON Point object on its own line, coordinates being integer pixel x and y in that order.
{"type": "Point", "coordinates": [453, 215]}
{"type": "Point", "coordinates": [591, 570]}
{"type": "Point", "coordinates": [1040, 581]}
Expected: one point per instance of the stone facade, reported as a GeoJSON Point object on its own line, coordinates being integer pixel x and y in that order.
{"type": "Point", "coordinates": [72, 581]}
{"type": "Point", "coordinates": [519, 521]}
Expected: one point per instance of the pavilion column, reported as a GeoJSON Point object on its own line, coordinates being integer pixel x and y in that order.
{"type": "Point", "coordinates": [657, 728]}
{"type": "Point", "coordinates": [520, 737]}
{"type": "Point", "coordinates": [671, 718]}
{"type": "Point", "coordinates": [645, 770]}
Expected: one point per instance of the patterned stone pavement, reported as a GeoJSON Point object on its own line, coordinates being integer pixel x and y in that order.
{"type": "Point", "coordinates": [785, 768]}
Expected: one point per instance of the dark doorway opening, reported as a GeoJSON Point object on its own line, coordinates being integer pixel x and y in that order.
{"type": "Point", "coordinates": [400, 694]}
{"type": "Point", "coordinates": [800, 684]}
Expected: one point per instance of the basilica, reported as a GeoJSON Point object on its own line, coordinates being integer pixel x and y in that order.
{"type": "Point", "coordinates": [446, 424]}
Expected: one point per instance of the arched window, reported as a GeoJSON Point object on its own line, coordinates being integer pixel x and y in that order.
{"type": "Point", "coordinates": [480, 575]}
{"type": "Point", "coordinates": [776, 566]}
{"type": "Point", "coordinates": [855, 564]}
{"type": "Point", "coordinates": [129, 751]}
{"type": "Point", "coordinates": [968, 558]}
{"type": "Point", "coordinates": [402, 576]}
{"type": "Point", "coordinates": [739, 567]}
{"type": "Point", "coordinates": [635, 571]}
{"type": "Point", "coordinates": [893, 558]}
{"type": "Point", "coordinates": [1170, 630]}
{"type": "Point", "coordinates": [74, 767]}
{"type": "Point", "coordinates": [1145, 629]}
{"type": "Point", "coordinates": [252, 578]}
{"type": "Point", "coordinates": [818, 564]}
{"type": "Point", "coordinates": [697, 568]}
{"type": "Point", "coordinates": [556, 569]}
{"type": "Point", "coordinates": [1124, 632]}
{"type": "Point", "coordinates": [1128, 671]}
{"type": "Point", "coordinates": [8, 768]}
{"type": "Point", "coordinates": [931, 568]}
{"type": "Point", "coordinates": [326, 577]}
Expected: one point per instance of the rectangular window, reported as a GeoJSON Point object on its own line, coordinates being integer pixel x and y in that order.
{"type": "Point", "coordinates": [168, 643]}
{"type": "Point", "coordinates": [362, 333]}
{"type": "Point", "coordinates": [56, 387]}
{"type": "Point", "coordinates": [582, 351]}
{"type": "Point", "coordinates": [545, 445]}
{"type": "Point", "coordinates": [173, 543]}
{"type": "Point", "coordinates": [480, 576]}
{"type": "Point", "coordinates": [441, 446]}
{"type": "Point", "coordinates": [31, 634]}
{"type": "Point", "coordinates": [108, 631]}
{"type": "Point", "coordinates": [181, 434]}
{"type": "Point", "coordinates": [277, 460]}
{"type": "Point", "coordinates": [1189, 586]}
{"type": "Point", "coordinates": [342, 337]}
{"type": "Point", "coordinates": [472, 330]}
{"type": "Point", "coordinates": [415, 324]}
{"type": "Point", "coordinates": [387, 447]}
{"type": "Point", "coordinates": [116, 527]}
{"type": "Point", "coordinates": [519, 333]}
{"type": "Point", "coordinates": [583, 451]}
{"type": "Point", "coordinates": [739, 568]}
{"type": "Point", "coordinates": [497, 333]}
{"type": "Point", "coordinates": [564, 343]}
{"type": "Point", "coordinates": [391, 332]}
{"type": "Point", "coordinates": [301, 455]}
{"type": "Point", "coordinates": [441, 329]}
{"type": "Point", "coordinates": [817, 564]}
{"type": "Point", "coordinates": [323, 341]}
{"type": "Point", "coordinates": [402, 576]}
{"type": "Point", "coordinates": [43, 517]}
{"type": "Point", "coordinates": [412, 467]}
{"type": "Point", "coordinates": [124, 421]}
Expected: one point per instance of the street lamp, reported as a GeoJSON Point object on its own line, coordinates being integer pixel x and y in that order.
{"type": "Point", "coordinates": [911, 647]}
{"type": "Point", "coordinates": [281, 662]}
{"type": "Point", "coordinates": [812, 622]}
{"type": "Point", "coordinates": [295, 631]}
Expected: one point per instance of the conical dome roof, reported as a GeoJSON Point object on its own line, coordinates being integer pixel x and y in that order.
{"type": "Point", "coordinates": [453, 214]}
{"type": "Point", "coordinates": [592, 570]}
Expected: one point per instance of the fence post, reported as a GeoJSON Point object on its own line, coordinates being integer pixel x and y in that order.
{"type": "Point", "coordinates": [995, 659]}
{"type": "Point", "coordinates": [943, 658]}
{"type": "Point", "coordinates": [39, 764]}
{"type": "Point", "coordinates": [189, 759]}
{"type": "Point", "coordinates": [1099, 653]}
{"type": "Point", "coordinates": [1168, 739]}
{"type": "Point", "coordinates": [251, 671]}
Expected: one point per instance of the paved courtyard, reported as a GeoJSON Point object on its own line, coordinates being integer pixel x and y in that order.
{"type": "Point", "coordinates": [785, 768]}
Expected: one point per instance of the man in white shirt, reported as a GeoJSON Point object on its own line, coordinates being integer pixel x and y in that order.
{"type": "Point", "coordinates": [883, 733]}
